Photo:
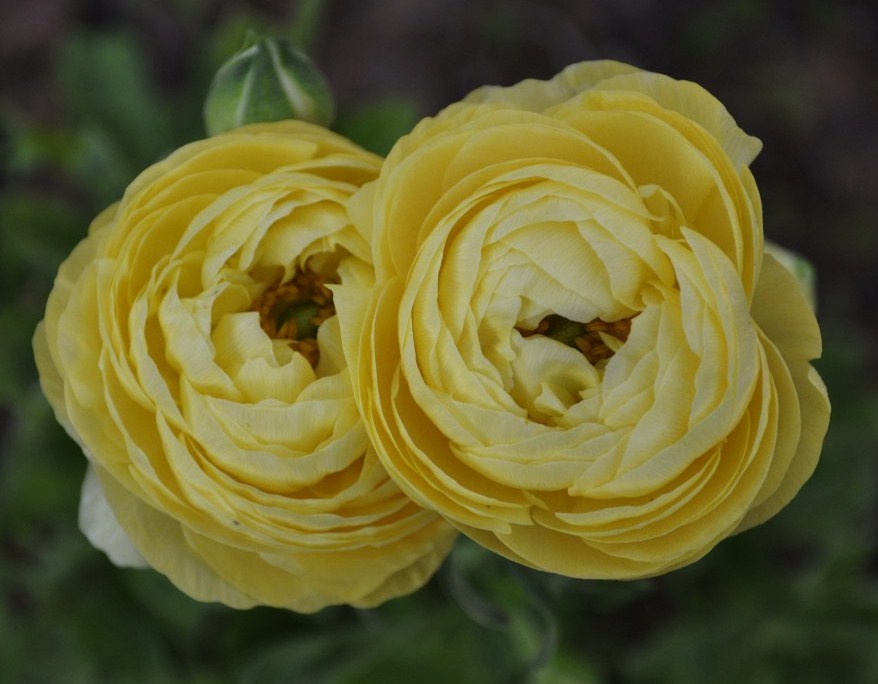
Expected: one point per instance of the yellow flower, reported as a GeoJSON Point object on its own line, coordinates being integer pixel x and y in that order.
{"type": "Point", "coordinates": [575, 349]}
{"type": "Point", "coordinates": [191, 347]}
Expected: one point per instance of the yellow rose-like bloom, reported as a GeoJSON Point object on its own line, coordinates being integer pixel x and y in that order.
{"type": "Point", "coordinates": [191, 347]}
{"type": "Point", "coordinates": [575, 348]}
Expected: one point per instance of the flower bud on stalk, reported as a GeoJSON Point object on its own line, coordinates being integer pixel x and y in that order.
{"type": "Point", "coordinates": [270, 79]}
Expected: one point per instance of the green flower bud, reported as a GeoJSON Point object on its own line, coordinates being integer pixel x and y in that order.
{"type": "Point", "coordinates": [268, 80]}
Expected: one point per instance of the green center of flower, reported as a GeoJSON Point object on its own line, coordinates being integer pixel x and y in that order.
{"type": "Point", "coordinates": [294, 310]}
{"type": "Point", "coordinates": [598, 339]}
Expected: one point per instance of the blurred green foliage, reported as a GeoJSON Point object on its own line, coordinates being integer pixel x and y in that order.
{"type": "Point", "coordinates": [795, 600]}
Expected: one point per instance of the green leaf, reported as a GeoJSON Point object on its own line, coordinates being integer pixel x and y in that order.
{"type": "Point", "coordinates": [378, 125]}
{"type": "Point", "coordinates": [42, 468]}
{"type": "Point", "coordinates": [17, 369]}
{"type": "Point", "coordinates": [306, 23]}
{"type": "Point", "coordinates": [109, 91]}
{"type": "Point", "coordinates": [37, 233]}
{"type": "Point", "coordinates": [505, 597]}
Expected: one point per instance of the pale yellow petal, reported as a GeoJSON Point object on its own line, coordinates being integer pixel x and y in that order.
{"type": "Point", "coordinates": [98, 524]}
{"type": "Point", "coordinates": [605, 194]}
{"type": "Point", "coordinates": [232, 458]}
{"type": "Point", "coordinates": [782, 311]}
{"type": "Point", "coordinates": [537, 96]}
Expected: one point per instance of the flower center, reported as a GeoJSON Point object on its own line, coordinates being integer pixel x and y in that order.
{"type": "Point", "coordinates": [295, 309]}
{"type": "Point", "coordinates": [598, 339]}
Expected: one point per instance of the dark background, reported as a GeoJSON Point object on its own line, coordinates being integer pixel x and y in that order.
{"type": "Point", "coordinates": [92, 92]}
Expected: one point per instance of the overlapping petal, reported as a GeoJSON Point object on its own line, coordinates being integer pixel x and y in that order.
{"type": "Point", "coordinates": [610, 197]}
{"type": "Point", "coordinates": [233, 462]}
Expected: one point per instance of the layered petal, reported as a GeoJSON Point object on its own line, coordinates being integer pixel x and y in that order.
{"type": "Point", "coordinates": [191, 347]}
{"type": "Point", "coordinates": [573, 348]}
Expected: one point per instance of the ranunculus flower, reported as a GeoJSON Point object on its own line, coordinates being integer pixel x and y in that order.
{"type": "Point", "coordinates": [575, 348]}
{"type": "Point", "coordinates": [191, 347]}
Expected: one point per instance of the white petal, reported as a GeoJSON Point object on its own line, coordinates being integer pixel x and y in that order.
{"type": "Point", "coordinates": [98, 524]}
